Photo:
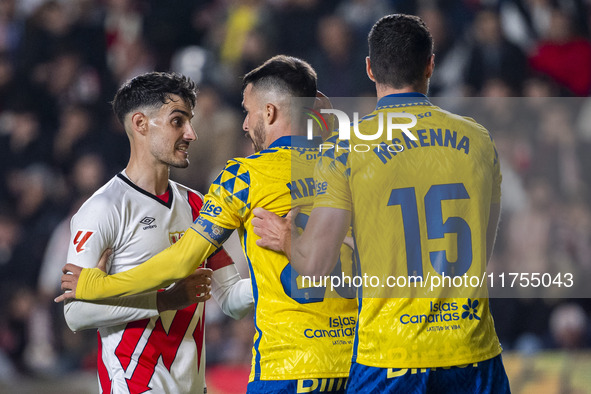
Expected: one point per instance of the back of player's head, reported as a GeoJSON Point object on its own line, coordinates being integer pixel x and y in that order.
{"type": "Point", "coordinates": [400, 47]}
{"type": "Point", "coordinates": [152, 90]}
{"type": "Point", "coordinates": [285, 74]}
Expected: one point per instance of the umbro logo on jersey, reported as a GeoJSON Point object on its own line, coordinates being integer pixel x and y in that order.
{"type": "Point", "coordinates": [80, 239]}
{"type": "Point", "coordinates": [147, 222]}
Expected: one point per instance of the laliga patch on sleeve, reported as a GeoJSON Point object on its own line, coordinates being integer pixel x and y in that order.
{"type": "Point", "coordinates": [80, 239]}
{"type": "Point", "coordinates": [215, 234]}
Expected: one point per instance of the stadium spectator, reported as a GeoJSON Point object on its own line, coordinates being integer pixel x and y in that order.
{"type": "Point", "coordinates": [492, 56]}
{"type": "Point", "coordinates": [564, 55]}
{"type": "Point", "coordinates": [338, 61]}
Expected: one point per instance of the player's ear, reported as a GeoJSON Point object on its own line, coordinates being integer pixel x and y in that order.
{"type": "Point", "coordinates": [430, 66]}
{"type": "Point", "coordinates": [368, 69]}
{"type": "Point", "coordinates": [270, 113]}
{"type": "Point", "coordinates": [139, 123]}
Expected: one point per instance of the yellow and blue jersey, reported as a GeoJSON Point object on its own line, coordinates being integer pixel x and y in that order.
{"type": "Point", "coordinates": [300, 332]}
{"type": "Point", "coordinates": [419, 208]}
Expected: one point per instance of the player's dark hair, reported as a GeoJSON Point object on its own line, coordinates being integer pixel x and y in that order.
{"type": "Point", "coordinates": [400, 47]}
{"type": "Point", "coordinates": [152, 89]}
{"type": "Point", "coordinates": [289, 74]}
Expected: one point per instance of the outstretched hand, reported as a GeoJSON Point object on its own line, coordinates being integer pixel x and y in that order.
{"type": "Point", "coordinates": [71, 274]}
{"type": "Point", "coordinates": [194, 288]}
{"type": "Point", "coordinates": [275, 231]}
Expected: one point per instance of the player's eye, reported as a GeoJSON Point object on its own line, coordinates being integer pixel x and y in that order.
{"type": "Point", "coordinates": [177, 122]}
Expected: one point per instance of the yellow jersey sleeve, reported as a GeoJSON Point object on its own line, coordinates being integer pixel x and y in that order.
{"type": "Point", "coordinates": [332, 176]}
{"type": "Point", "coordinates": [172, 264]}
{"type": "Point", "coordinates": [496, 166]}
{"type": "Point", "coordinates": [497, 178]}
{"type": "Point", "coordinates": [226, 205]}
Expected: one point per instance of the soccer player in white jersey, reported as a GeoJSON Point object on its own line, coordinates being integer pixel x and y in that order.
{"type": "Point", "coordinates": [152, 342]}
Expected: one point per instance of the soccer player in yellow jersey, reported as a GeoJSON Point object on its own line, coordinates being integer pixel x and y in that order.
{"type": "Point", "coordinates": [423, 202]}
{"type": "Point", "coordinates": [304, 335]}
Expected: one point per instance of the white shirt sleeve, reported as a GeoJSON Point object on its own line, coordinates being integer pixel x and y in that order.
{"type": "Point", "coordinates": [233, 295]}
{"type": "Point", "coordinates": [93, 229]}
{"type": "Point", "coordinates": [81, 315]}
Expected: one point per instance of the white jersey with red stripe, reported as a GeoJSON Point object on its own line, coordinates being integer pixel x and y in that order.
{"type": "Point", "coordinates": [160, 353]}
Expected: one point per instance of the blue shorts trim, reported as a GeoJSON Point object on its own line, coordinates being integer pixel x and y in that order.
{"type": "Point", "coordinates": [483, 377]}
{"type": "Point", "coordinates": [320, 385]}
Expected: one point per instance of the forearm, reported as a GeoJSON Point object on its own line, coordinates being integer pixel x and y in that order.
{"type": "Point", "coordinates": [316, 251]}
{"type": "Point", "coordinates": [82, 315]}
{"type": "Point", "coordinates": [309, 260]}
{"type": "Point", "coordinates": [172, 264]}
{"type": "Point", "coordinates": [240, 300]}
{"type": "Point", "coordinates": [233, 295]}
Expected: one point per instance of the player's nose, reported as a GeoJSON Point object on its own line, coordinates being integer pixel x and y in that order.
{"type": "Point", "coordinates": [190, 134]}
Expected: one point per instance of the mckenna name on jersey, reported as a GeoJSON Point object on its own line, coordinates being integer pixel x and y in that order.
{"type": "Point", "coordinates": [420, 208]}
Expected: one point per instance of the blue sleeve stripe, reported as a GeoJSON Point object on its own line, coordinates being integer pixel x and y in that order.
{"type": "Point", "coordinates": [255, 294]}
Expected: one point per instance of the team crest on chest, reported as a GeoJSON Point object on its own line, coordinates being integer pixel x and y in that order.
{"type": "Point", "coordinates": [173, 237]}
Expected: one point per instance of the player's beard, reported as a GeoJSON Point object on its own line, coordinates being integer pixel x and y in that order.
{"type": "Point", "coordinates": [170, 159]}
{"type": "Point", "coordinates": [180, 163]}
{"type": "Point", "coordinates": [258, 137]}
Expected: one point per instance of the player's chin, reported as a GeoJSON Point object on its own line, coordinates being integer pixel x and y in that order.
{"type": "Point", "coordinates": [184, 163]}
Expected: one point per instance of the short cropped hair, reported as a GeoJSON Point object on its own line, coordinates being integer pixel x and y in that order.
{"type": "Point", "coordinates": [400, 47]}
{"type": "Point", "coordinates": [287, 74]}
{"type": "Point", "coordinates": [152, 89]}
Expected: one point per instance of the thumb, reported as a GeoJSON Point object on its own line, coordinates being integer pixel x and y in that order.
{"type": "Point", "coordinates": [262, 213]}
{"type": "Point", "coordinates": [204, 272]}
{"type": "Point", "coordinates": [102, 264]}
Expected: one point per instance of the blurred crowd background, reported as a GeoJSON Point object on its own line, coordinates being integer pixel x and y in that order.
{"type": "Point", "coordinates": [61, 62]}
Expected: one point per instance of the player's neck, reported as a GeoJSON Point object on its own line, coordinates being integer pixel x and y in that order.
{"type": "Point", "coordinates": [280, 129]}
{"type": "Point", "coordinates": [153, 179]}
{"type": "Point", "coordinates": [385, 90]}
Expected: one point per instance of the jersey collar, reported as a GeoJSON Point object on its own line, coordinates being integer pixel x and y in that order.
{"type": "Point", "coordinates": [402, 100]}
{"type": "Point", "coordinates": [123, 176]}
{"type": "Point", "coordinates": [295, 141]}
